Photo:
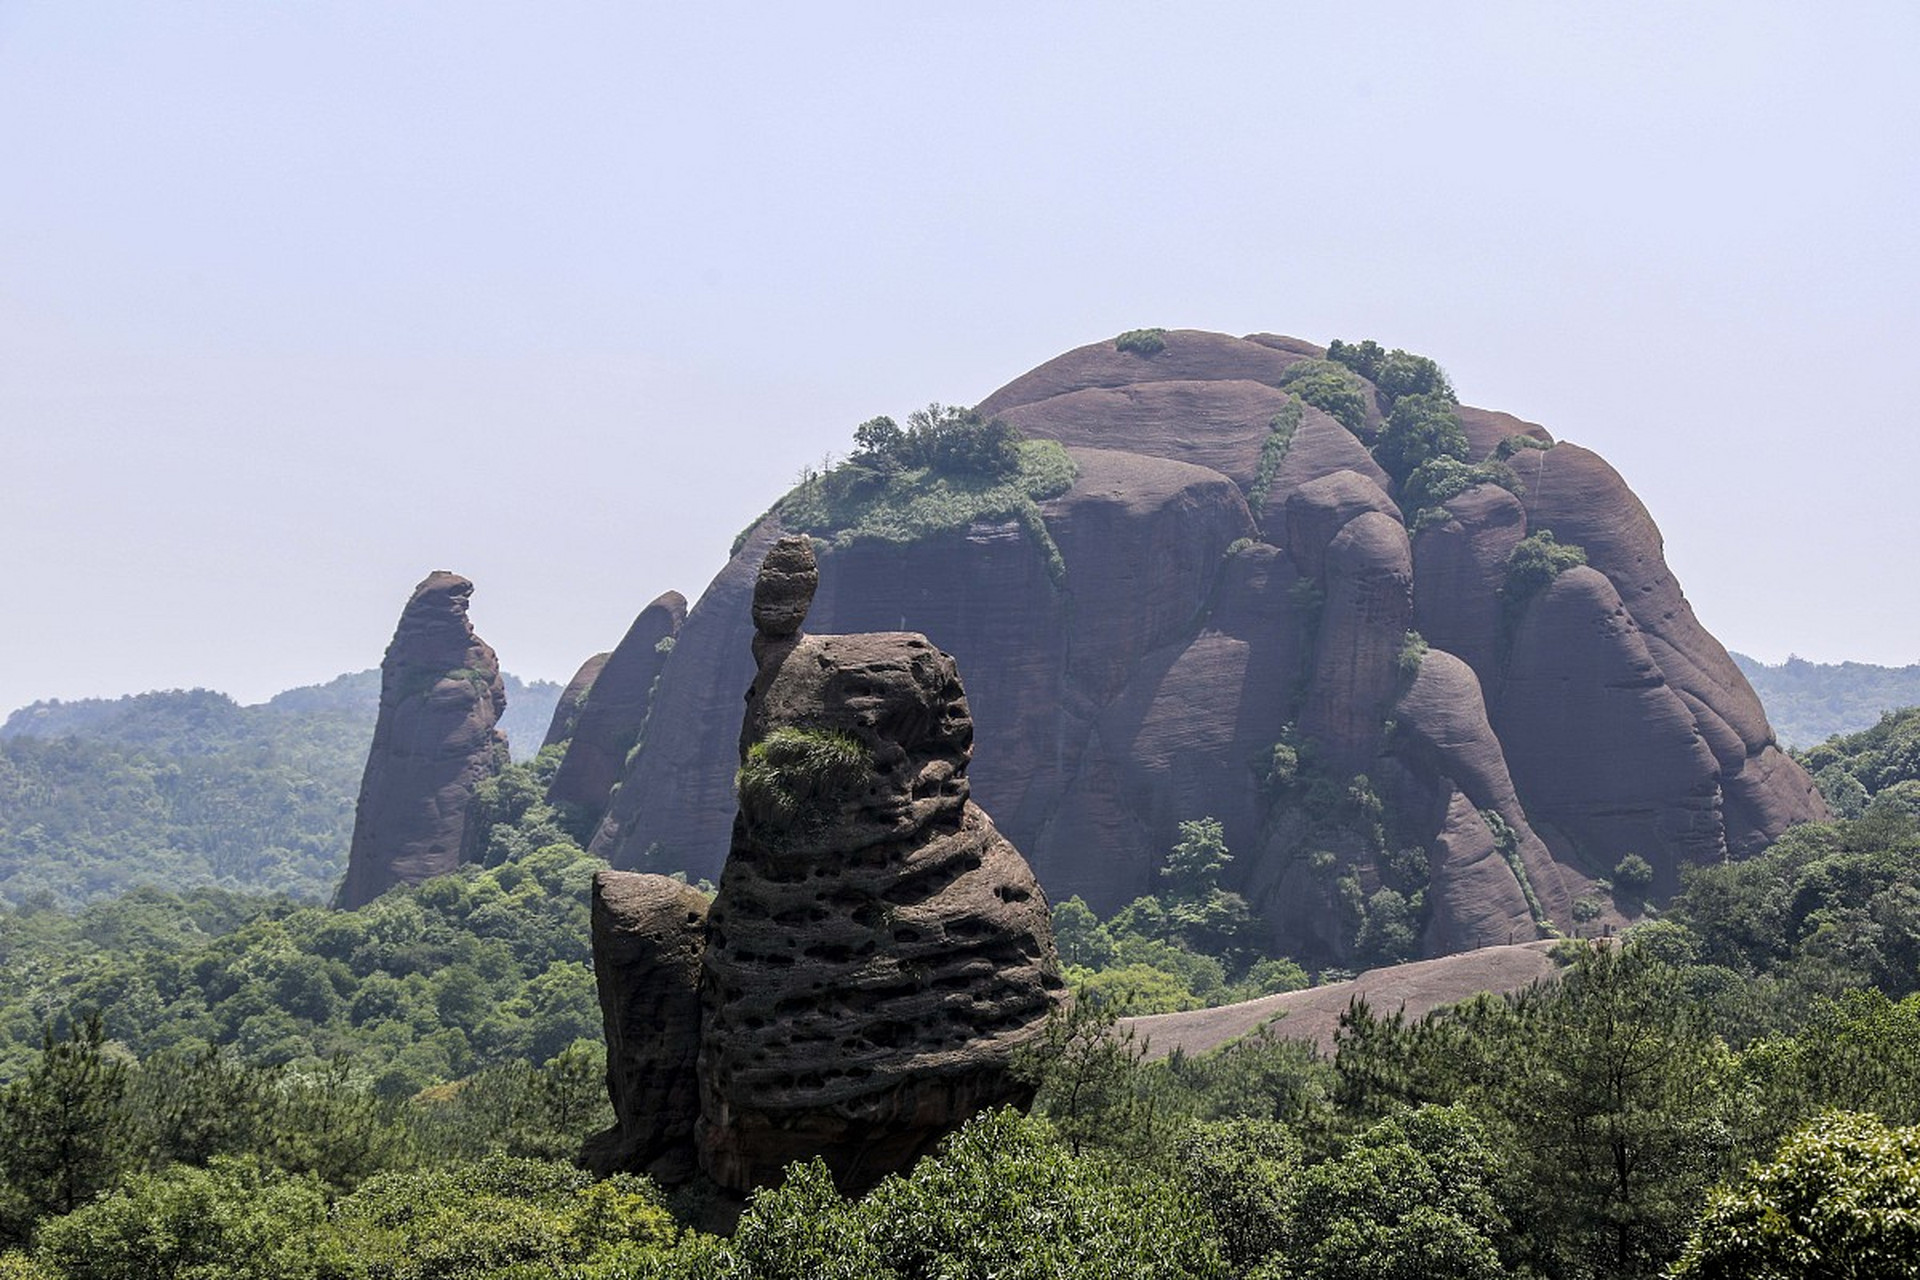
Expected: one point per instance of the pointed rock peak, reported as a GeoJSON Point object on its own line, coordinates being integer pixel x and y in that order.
{"type": "Point", "coordinates": [446, 585]}
{"type": "Point", "coordinates": [434, 626]}
{"type": "Point", "coordinates": [784, 590]}
{"type": "Point", "coordinates": [434, 742]}
{"type": "Point", "coordinates": [670, 603]}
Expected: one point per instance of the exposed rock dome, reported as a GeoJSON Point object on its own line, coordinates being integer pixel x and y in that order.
{"type": "Point", "coordinates": [1232, 570]}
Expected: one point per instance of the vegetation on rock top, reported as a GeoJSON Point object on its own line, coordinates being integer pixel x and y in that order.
{"type": "Point", "coordinates": [946, 469]}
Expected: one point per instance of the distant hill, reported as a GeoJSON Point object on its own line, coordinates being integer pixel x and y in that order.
{"type": "Point", "coordinates": [1809, 702]}
{"type": "Point", "coordinates": [180, 788]}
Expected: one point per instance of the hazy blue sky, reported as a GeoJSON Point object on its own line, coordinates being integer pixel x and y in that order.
{"type": "Point", "coordinates": [299, 301]}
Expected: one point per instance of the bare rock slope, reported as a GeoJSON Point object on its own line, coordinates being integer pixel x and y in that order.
{"type": "Point", "coordinates": [1236, 610]}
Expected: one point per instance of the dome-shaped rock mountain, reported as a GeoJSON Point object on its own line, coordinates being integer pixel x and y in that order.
{"type": "Point", "coordinates": [1265, 588]}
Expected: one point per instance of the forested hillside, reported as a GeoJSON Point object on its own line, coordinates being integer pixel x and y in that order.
{"type": "Point", "coordinates": [1809, 702]}
{"type": "Point", "coordinates": [187, 787]}
{"type": "Point", "coordinates": [1575, 1130]}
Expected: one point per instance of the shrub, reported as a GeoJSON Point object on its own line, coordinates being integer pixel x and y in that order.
{"type": "Point", "coordinates": [793, 773]}
{"type": "Point", "coordinates": [1633, 875]}
{"type": "Point", "coordinates": [1520, 440]}
{"type": "Point", "coordinates": [1331, 388]}
{"type": "Point", "coordinates": [1421, 428]}
{"type": "Point", "coordinates": [949, 469]}
{"type": "Point", "coordinates": [1273, 452]}
{"type": "Point", "coordinates": [1142, 342]}
{"type": "Point", "coordinates": [1396, 373]}
{"type": "Point", "coordinates": [1413, 651]}
{"type": "Point", "coordinates": [1532, 567]}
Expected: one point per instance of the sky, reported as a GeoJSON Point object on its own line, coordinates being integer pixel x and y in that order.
{"type": "Point", "coordinates": [301, 301]}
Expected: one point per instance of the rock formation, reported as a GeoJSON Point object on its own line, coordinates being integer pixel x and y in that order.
{"type": "Point", "coordinates": [876, 952]}
{"type": "Point", "coordinates": [434, 742]}
{"type": "Point", "coordinates": [1241, 574]}
{"type": "Point", "coordinates": [648, 935]}
{"type": "Point", "coordinates": [613, 713]}
{"type": "Point", "coordinates": [566, 712]}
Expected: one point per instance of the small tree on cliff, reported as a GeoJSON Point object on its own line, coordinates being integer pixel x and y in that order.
{"type": "Point", "coordinates": [1211, 919]}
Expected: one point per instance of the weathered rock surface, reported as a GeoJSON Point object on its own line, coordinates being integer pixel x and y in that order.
{"type": "Point", "coordinates": [614, 713]}
{"type": "Point", "coordinates": [648, 936]}
{"type": "Point", "coordinates": [1605, 751]}
{"type": "Point", "coordinates": [434, 742]}
{"type": "Point", "coordinates": [877, 951]}
{"type": "Point", "coordinates": [566, 712]}
{"type": "Point", "coordinates": [1150, 682]}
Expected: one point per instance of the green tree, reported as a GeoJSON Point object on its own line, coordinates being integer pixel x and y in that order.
{"type": "Point", "coordinates": [1616, 1100]}
{"type": "Point", "coordinates": [1841, 1198]}
{"type": "Point", "coordinates": [1005, 1198]}
{"type": "Point", "coordinates": [1421, 428]}
{"type": "Point", "coordinates": [1081, 938]}
{"type": "Point", "coordinates": [1088, 1079]}
{"type": "Point", "coordinates": [234, 1219]}
{"type": "Point", "coordinates": [1241, 1171]}
{"type": "Point", "coordinates": [65, 1128]}
{"type": "Point", "coordinates": [1412, 1196]}
{"type": "Point", "coordinates": [1331, 388]}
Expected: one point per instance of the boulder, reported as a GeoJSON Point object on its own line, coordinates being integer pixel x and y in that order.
{"type": "Point", "coordinates": [1602, 749]}
{"type": "Point", "coordinates": [434, 742]}
{"type": "Point", "coordinates": [1459, 567]}
{"type": "Point", "coordinates": [1143, 674]}
{"type": "Point", "coordinates": [1368, 579]}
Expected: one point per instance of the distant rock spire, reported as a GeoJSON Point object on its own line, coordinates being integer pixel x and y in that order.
{"type": "Point", "coordinates": [435, 741]}
{"type": "Point", "coordinates": [613, 711]}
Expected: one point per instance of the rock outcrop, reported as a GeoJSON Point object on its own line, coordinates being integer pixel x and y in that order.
{"type": "Point", "coordinates": [613, 714]}
{"type": "Point", "coordinates": [1217, 583]}
{"type": "Point", "coordinates": [566, 712]}
{"type": "Point", "coordinates": [876, 952]}
{"type": "Point", "coordinates": [648, 936]}
{"type": "Point", "coordinates": [433, 744]}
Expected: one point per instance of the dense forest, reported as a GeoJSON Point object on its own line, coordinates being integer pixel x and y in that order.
{"type": "Point", "coordinates": [188, 787]}
{"type": "Point", "coordinates": [1809, 702]}
{"type": "Point", "coordinates": [206, 1083]}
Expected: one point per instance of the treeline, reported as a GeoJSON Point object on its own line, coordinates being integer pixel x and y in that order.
{"type": "Point", "coordinates": [488, 966]}
{"type": "Point", "coordinates": [205, 1084]}
{"type": "Point", "coordinates": [1578, 1130]}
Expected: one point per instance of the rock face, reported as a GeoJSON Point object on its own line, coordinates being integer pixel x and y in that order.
{"type": "Point", "coordinates": [876, 952]}
{"type": "Point", "coordinates": [434, 742]}
{"type": "Point", "coordinates": [613, 713]}
{"type": "Point", "coordinates": [1225, 593]}
{"type": "Point", "coordinates": [566, 712]}
{"type": "Point", "coordinates": [648, 935]}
